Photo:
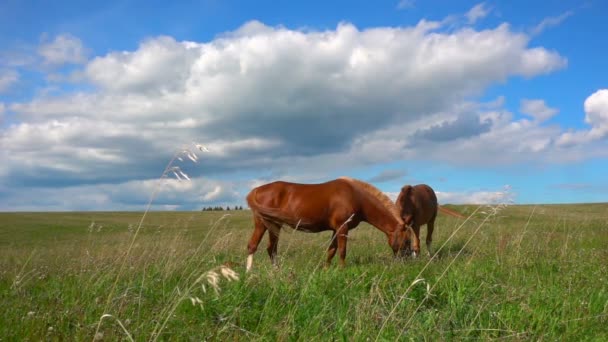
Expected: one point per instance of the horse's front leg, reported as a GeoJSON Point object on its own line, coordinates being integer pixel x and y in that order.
{"type": "Point", "coordinates": [429, 236]}
{"type": "Point", "coordinates": [273, 243]}
{"type": "Point", "coordinates": [342, 239]}
{"type": "Point", "coordinates": [416, 240]}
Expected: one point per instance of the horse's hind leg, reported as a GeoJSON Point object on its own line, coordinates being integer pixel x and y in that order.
{"type": "Point", "coordinates": [333, 247]}
{"type": "Point", "coordinates": [256, 237]}
{"type": "Point", "coordinates": [430, 226]}
{"type": "Point", "coordinates": [273, 242]}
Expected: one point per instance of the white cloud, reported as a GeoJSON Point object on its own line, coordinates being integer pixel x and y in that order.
{"type": "Point", "coordinates": [479, 11]}
{"type": "Point", "coordinates": [64, 49]}
{"type": "Point", "coordinates": [540, 61]}
{"type": "Point", "coordinates": [537, 109]}
{"type": "Point", "coordinates": [488, 136]}
{"type": "Point", "coordinates": [161, 64]}
{"type": "Point", "coordinates": [8, 78]}
{"type": "Point", "coordinates": [596, 115]}
{"type": "Point", "coordinates": [284, 72]}
{"type": "Point", "coordinates": [504, 196]}
{"type": "Point", "coordinates": [271, 100]}
{"type": "Point", "coordinates": [131, 195]}
{"type": "Point", "coordinates": [550, 22]}
{"type": "Point", "coordinates": [596, 109]}
{"type": "Point", "coordinates": [281, 91]}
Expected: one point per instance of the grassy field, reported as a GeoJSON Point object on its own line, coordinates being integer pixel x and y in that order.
{"type": "Point", "coordinates": [522, 273]}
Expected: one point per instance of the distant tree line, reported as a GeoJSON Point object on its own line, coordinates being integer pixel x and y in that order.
{"type": "Point", "coordinates": [220, 208]}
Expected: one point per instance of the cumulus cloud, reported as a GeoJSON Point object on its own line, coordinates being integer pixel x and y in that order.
{"type": "Point", "coordinates": [159, 65]}
{"type": "Point", "coordinates": [63, 49]}
{"type": "Point", "coordinates": [537, 109]}
{"type": "Point", "coordinates": [463, 126]}
{"type": "Point", "coordinates": [504, 196]}
{"type": "Point", "coordinates": [596, 115]}
{"type": "Point", "coordinates": [271, 98]}
{"type": "Point", "coordinates": [506, 142]}
{"type": "Point", "coordinates": [7, 79]}
{"type": "Point", "coordinates": [596, 109]}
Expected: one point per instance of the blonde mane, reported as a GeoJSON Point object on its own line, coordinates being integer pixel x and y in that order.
{"type": "Point", "coordinates": [379, 195]}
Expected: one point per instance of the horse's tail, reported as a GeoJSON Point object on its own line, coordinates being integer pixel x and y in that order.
{"type": "Point", "coordinates": [450, 212]}
{"type": "Point", "coordinates": [270, 214]}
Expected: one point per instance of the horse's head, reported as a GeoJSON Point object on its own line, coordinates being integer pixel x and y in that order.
{"type": "Point", "coordinates": [400, 240]}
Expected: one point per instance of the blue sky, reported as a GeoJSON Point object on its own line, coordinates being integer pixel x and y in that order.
{"type": "Point", "coordinates": [469, 97]}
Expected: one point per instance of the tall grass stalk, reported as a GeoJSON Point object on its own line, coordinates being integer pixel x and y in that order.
{"type": "Point", "coordinates": [133, 238]}
{"type": "Point", "coordinates": [169, 168]}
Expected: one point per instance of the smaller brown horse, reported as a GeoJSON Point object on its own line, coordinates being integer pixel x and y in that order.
{"type": "Point", "coordinates": [338, 205]}
{"type": "Point", "coordinates": [418, 206]}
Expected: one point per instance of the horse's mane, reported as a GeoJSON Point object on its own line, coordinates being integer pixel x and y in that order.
{"type": "Point", "coordinates": [376, 193]}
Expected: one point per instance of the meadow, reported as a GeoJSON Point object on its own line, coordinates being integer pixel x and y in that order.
{"type": "Point", "coordinates": [512, 273]}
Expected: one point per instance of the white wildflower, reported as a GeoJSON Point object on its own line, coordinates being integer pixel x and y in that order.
{"type": "Point", "coordinates": [213, 279]}
{"type": "Point", "coordinates": [229, 273]}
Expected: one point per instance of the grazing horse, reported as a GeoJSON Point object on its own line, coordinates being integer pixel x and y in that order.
{"type": "Point", "coordinates": [338, 205]}
{"type": "Point", "coordinates": [418, 206]}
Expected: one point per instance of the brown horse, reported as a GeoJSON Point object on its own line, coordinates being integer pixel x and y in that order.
{"type": "Point", "coordinates": [338, 205]}
{"type": "Point", "coordinates": [418, 206]}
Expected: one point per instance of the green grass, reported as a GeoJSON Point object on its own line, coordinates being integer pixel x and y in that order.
{"type": "Point", "coordinates": [529, 273]}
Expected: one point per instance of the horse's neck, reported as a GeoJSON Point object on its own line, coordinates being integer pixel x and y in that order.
{"type": "Point", "coordinates": [379, 216]}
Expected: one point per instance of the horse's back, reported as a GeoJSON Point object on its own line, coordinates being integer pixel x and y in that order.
{"type": "Point", "coordinates": [278, 190]}
{"type": "Point", "coordinates": [308, 201]}
{"type": "Point", "coordinates": [426, 194]}
{"type": "Point", "coordinates": [426, 201]}
{"type": "Point", "coordinates": [268, 195]}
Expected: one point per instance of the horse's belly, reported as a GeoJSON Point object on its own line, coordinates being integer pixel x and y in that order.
{"type": "Point", "coordinates": [308, 229]}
